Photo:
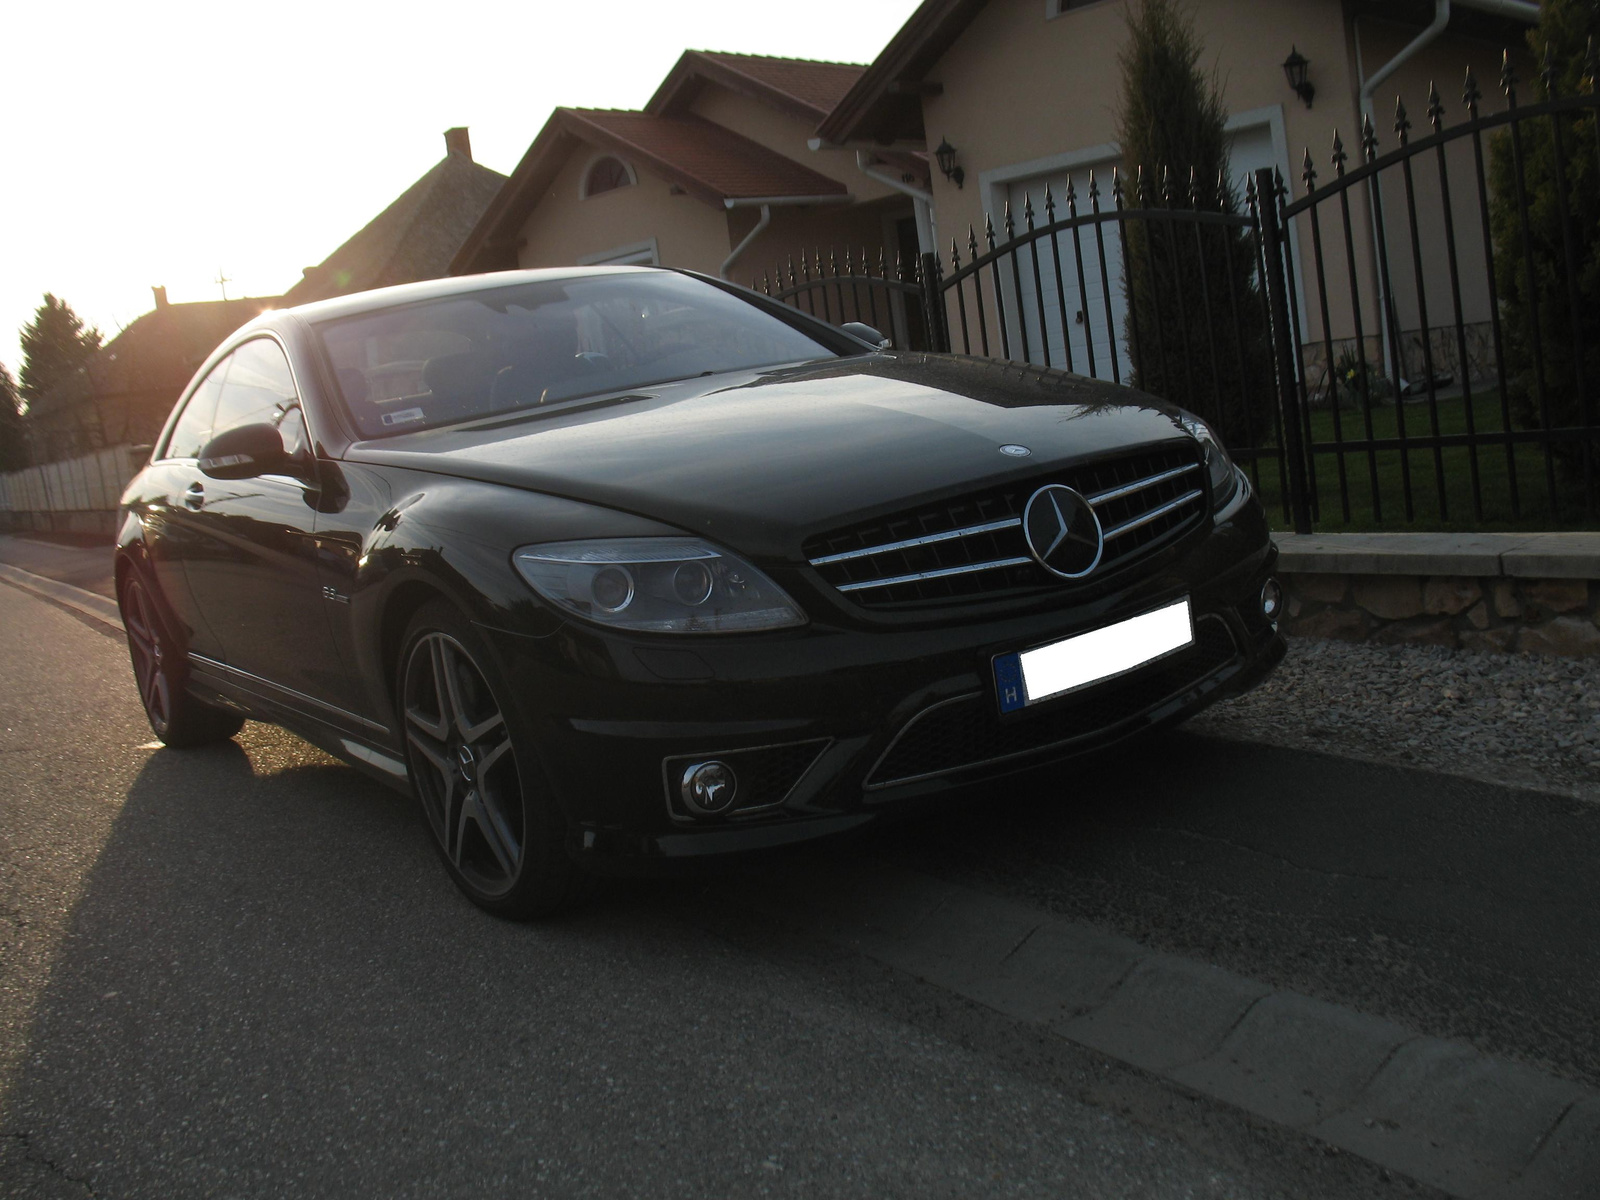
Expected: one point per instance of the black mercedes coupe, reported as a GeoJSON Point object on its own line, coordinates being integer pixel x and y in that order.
{"type": "Point", "coordinates": [619, 567]}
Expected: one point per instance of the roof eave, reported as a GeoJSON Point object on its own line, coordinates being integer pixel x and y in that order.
{"type": "Point", "coordinates": [926, 35]}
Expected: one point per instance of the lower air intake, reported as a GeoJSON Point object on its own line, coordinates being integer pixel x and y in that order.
{"type": "Point", "coordinates": [968, 732]}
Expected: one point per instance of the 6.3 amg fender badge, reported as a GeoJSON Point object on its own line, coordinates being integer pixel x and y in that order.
{"type": "Point", "coordinates": [1062, 531]}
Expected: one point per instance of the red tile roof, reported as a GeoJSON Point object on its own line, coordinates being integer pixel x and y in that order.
{"type": "Point", "coordinates": [816, 85]}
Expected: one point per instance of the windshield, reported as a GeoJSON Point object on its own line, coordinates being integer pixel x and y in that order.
{"type": "Point", "coordinates": [514, 348]}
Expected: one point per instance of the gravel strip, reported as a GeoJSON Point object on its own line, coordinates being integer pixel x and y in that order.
{"type": "Point", "coordinates": [1520, 719]}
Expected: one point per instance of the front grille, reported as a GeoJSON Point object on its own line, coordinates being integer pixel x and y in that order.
{"type": "Point", "coordinates": [968, 731]}
{"type": "Point", "coordinates": [973, 548]}
{"type": "Point", "coordinates": [765, 774]}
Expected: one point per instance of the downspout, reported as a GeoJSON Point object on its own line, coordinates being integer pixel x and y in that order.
{"type": "Point", "coordinates": [921, 201]}
{"type": "Point", "coordinates": [761, 225]}
{"type": "Point", "coordinates": [1369, 88]}
{"type": "Point", "coordinates": [766, 204]}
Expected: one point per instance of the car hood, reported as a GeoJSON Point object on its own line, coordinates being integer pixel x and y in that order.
{"type": "Point", "coordinates": [760, 461]}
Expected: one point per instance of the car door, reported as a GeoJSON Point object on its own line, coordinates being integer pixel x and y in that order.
{"type": "Point", "coordinates": [171, 489]}
{"type": "Point", "coordinates": [253, 569]}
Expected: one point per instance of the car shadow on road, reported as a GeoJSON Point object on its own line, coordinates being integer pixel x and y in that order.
{"type": "Point", "coordinates": [268, 978]}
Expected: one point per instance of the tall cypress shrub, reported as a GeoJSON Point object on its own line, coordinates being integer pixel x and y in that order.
{"type": "Point", "coordinates": [1171, 125]}
{"type": "Point", "coordinates": [1541, 315]}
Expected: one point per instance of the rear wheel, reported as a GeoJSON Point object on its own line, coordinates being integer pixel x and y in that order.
{"type": "Point", "coordinates": [177, 718]}
{"type": "Point", "coordinates": [483, 795]}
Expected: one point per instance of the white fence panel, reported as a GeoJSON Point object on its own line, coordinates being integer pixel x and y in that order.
{"type": "Point", "coordinates": [91, 483]}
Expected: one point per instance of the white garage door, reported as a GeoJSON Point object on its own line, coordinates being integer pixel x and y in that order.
{"type": "Point", "coordinates": [1086, 324]}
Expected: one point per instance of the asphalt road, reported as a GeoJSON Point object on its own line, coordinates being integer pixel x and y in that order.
{"type": "Point", "coordinates": [241, 972]}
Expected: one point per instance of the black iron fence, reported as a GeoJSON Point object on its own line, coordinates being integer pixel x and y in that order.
{"type": "Point", "coordinates": [1415, 337]}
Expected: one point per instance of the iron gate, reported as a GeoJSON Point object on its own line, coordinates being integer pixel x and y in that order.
{"type": "Point", "coordinates": [1410, 338]}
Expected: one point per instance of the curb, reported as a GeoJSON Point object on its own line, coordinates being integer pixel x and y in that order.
{"type": "Point", "coordinates": [86, 603]}
{"type": "Point", "coordinates": [1436, 1110]}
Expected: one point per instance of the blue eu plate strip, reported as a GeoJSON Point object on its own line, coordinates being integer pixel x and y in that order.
{"type": "Point", "coordinates": [1008, 682]}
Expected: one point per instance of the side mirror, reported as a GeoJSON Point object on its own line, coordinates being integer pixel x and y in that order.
{"type": "Point", "coordinates": [245, 452]}
{"type": "Point", "coordinates": [867, 334]}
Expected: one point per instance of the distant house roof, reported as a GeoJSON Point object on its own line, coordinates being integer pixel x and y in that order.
{"type": "Point", "coordinates": [415, 237]}
{"type": "Point", "coordinates": [707, 161]}
{"type": "Point", "coordinates": [158, 351]}
{"type": "Point", "coordinates": [803, 88]}
{"type": "Point", "coordinates": [130, 383]}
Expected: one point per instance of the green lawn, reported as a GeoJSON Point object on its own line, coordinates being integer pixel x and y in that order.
{"type": "Point", "coordinates": [1493, 473]}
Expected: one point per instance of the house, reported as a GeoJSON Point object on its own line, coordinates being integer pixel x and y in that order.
{"type": "Point", "coordinates": [415, 237]}
{"type": "Point", "coordinates": [715, 173]}
{"type": "Point", "coordinates": [130, 384]}
{"type": "Point", "coordinates": [1021, 94]}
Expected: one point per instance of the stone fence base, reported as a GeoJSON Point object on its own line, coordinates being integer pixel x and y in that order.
{"type": "Point", "coordinates": [1534, 616]}
{"type": "Point", "coordinates": [1537, 593]}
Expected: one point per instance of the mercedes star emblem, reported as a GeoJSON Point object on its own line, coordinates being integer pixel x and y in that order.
{"type": "Point", "coordinates": [1015, 451]}
{"type": "Point", "coordinates": [1062, 531]}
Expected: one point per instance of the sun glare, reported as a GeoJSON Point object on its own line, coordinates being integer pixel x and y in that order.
{"type": "Point", "coordinates": [217, 150]}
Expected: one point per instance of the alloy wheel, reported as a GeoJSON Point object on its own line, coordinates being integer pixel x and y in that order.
{"type": "Point", "coordinates": [463, 764]}
{"type": "Point", "coordinates": [149, 651]}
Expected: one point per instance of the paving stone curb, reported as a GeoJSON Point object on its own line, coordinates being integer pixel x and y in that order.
{"type": "Point", "coordinates": [76, 598]}
{"type": "Point", "coordinates": [1437, 1111]}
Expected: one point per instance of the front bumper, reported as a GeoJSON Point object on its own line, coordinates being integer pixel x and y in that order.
{"type": "Point", "coordinates": [847, 722]}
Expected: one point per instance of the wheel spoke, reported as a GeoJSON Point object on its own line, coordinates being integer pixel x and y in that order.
{"type": "Point", "coordinates": [160, 702]}
{"type": "Point", "coordinates": [437, 730]}
{"type": "Point", "coordinates": [493, 827]}
{"type": "Point", "coordinates": [445, 677]}
{"type": "Point", "coordinates": [430, 750]}
{"type": "Point", "coordinates": [488, 760]}
{"type": "Point", "coordinates": [475, 733]}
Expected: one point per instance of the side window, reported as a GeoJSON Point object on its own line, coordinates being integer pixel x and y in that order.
{"type": "Point", "coordinates": [260, 390]}
{"type": "Point", "coordinates": [193, 429]}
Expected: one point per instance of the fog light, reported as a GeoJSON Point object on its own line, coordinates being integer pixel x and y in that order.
{"type": "Point", "coordinates": [708, 787]}
{"type": "Point", "coordinates": [1271, 599]}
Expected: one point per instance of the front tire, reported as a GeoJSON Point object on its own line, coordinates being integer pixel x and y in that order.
{"type": "Point", "coordinates": [177, 718]}
{"type": "Point", "coordinates": [496, 825]}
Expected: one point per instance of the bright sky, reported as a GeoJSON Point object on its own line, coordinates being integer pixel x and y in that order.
{"type": "Point", "coordinates": [162, 143]}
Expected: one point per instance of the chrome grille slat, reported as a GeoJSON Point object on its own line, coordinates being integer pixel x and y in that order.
{"type": "Point", "coordinates": [1139, 485]}
{"type": "Point", "coordinates": [973, 547]}
{"type": "Point", "coordinates": [939, 574]}
{"type": "Point", "coordinates": [930, 539]}
{"type": "Point", "coordinates": [1153, 514]}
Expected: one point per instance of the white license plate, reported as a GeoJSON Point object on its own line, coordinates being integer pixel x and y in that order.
{"type": "Point", "coordinates": [1087, 658]}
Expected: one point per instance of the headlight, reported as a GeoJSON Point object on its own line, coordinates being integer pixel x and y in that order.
{"type": "Point", "coordinates": [1219, 467]}
{"type": "Point", "coordinates": [657, 585]}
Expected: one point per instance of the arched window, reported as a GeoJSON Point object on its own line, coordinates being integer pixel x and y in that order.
{"type": "Point", "coordinates": [605, 175]}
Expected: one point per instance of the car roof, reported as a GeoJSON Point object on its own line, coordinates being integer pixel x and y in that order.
{"type": "Point", "coordinates": [433, 289]}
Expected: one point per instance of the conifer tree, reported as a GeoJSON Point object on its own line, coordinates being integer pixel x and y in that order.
{"type": "Point", "coordinates": [1171, 126]}
{"type": "Point", "coordinates": [56, 344]}
{"type": "Point", "coordinates": [1542, 315]}
{"type": "Point", "coordinates": [13, 433]}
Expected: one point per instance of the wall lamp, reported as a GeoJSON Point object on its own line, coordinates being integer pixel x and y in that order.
{"type": "Point", "coordinates": [1294, 70]}
{"type": "Point", "coordinates": [946, 154]}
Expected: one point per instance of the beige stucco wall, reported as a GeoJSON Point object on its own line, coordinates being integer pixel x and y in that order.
{"type": "Point", "coordinates": [565, 227]}
{"type": "Point", "coordinates": [1018, 87]}
{"type": "Point", "coordinates": [788, 137]}
{"type": "Point", "coordinates": [828, 231]}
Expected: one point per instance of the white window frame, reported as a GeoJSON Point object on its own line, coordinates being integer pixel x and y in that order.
{"type": "Point", "coordinates": [588, 169]}
{"type": "Point", "coordinates": [1053, 9]}
{"type": "Point", "coordinates": [643, 253]}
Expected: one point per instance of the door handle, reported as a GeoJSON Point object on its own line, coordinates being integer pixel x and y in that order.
{"type": "Point", "coordinates": [195, 497]}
